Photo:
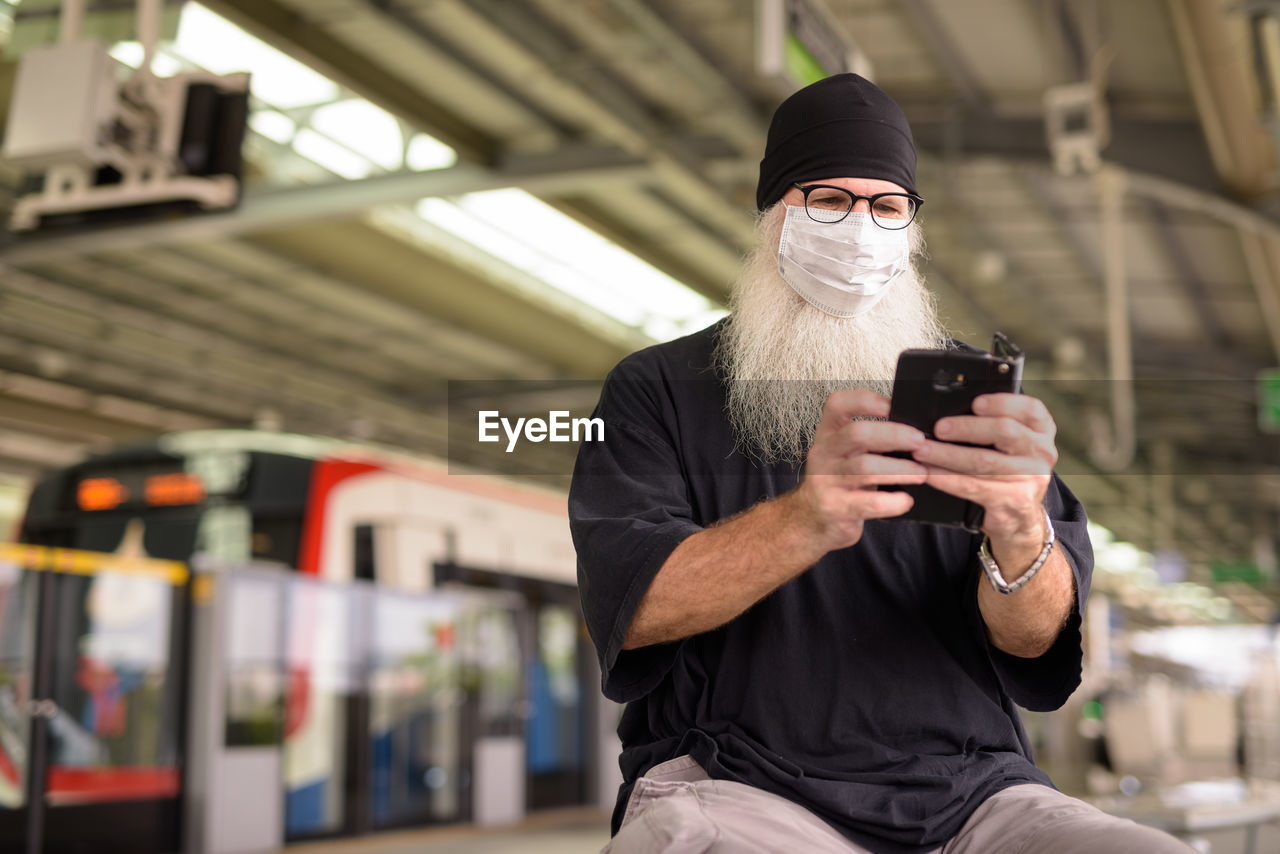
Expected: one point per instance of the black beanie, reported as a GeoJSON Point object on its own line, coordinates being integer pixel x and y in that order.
{"type": "Point", "coordinates": [840, 127]}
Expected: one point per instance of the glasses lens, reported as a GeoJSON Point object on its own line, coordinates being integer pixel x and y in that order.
{"type": "Point", "coordinates": [827, 204]}
{"type": "Point", "coordinates": [893, 211]}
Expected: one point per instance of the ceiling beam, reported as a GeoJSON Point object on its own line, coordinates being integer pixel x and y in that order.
{"type": "Point", "coordinates": [411, 261]}
{"type": "Point", "coordinates": [402, 18]}
{"type": "Point", "coordinates": [1037, 183]}
{"type": "Point", "coordinates": [1223, 85]}
{"type": "Point", "coordinates": [623, 116]}
{"type": "Point", "coordinates": [1225, 360]}
{"type": "Point", "coordinates": [1171, 149]}
{"type": "Point", "coordinates": [403, 334]}
{"type": "Point", "coordinates": [312, 45]}
{"type": "Point", "coordinates": [943, 50]}
{"type": "Point", "coordinates": [595, 217]}
{"type": "Point", "coordinates": [558, 174]}
{"type": "Point", "coordinates": [73, 425]}
{"type": "Point", "coordinates": [205, 366]}
{"type": "Point", "coordinates": [732, 111]}
{"type": "Point", "coordinates": [1262, 256]}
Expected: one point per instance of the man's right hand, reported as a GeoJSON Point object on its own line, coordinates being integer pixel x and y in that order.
{"type": "Point", "coordinates": [846, 463]}
{"type": "Point", "coordinates": [719, 572]}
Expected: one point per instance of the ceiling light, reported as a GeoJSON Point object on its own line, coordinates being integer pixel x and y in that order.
{"type": "Point", "coordinates": [218, 45]}
{"type": "Point", "coordinates": [131, 53]}
{"type": "Point", "coordinates": [332, 156]}
{"type": "Point", "coordinates": [276, 127]}
{"type": "Point", "coordinates": [365, 129]}
{"type": "Point", "coordinates": [522, 255]}
{"type": "Point", "coordinates": [426, 153]}
{"type": "Point", "coordinates": [580, 261]}
{"type": "Point", "coordinates": [354, 138]}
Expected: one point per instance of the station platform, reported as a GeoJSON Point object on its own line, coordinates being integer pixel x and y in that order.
{"type": "Point", "coordinates": [571, 831]}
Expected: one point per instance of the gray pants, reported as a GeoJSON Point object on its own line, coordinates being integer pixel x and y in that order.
{"type": "Point", "coordinates": [677, 808]}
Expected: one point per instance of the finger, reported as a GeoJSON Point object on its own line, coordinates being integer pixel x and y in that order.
{"type": "Point", "coordinates": [987, 491]}
{"type": "Point", "coordinates": [1029, 410]}
{"type": "Point", "coordinates": [1003, 433]}
{"type": "Point", "coordinates": [843, 406]}
{"type": "Point", "coordinates": [857, 484]}
{"type": "Point", "coordinates": [882, 505]}
{"type": "Point", "coordinates": [863, 437]}
{"type": "Point", "coordinates": [867, 471]}
{"type": "Point", "coordinates": [979, 461]}
{"type": "Point", "coordinates": [869, 465]}
{"type": "Point", "coordinates": [961, 485]}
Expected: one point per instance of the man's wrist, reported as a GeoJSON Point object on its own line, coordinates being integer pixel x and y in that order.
{"type": "Point", "coordinates": [801, 516]}
{"type": "Point", "coordinates": [1016, 549]}
{"type": "Point", "coordinates": [799, 513]}
{"type": "Point", "coordinates": [1006, 576]}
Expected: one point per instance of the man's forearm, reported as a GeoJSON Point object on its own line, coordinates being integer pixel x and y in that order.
{"type": "Point", "coordinates": [717, 573]}
{"type": "Point", "coordinates": [1027, 622]}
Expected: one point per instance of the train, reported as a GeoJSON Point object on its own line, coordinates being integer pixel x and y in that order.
{"type": "Point", "coordinates": [229, 640]}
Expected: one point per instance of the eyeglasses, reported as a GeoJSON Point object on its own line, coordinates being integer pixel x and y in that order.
{"type": "Point", "coordinates": [827, 203]}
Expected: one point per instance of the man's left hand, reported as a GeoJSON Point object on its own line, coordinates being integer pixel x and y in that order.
{"type": "Point", "coordinates": [1009, 477]}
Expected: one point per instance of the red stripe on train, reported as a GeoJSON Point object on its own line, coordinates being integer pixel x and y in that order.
{"type": "Point", "coordinates": [77, 784]}
{"type": "Point", "coordinates": [8, 770]}
{"type": "Point", "coordinates": [325, 475]}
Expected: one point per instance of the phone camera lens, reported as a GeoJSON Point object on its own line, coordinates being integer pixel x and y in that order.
{"type": "Point", "coordinates": [943, 380]}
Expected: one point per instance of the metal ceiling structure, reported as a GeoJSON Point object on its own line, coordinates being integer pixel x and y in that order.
{"type": "Point", "coordinates": [320, 306]}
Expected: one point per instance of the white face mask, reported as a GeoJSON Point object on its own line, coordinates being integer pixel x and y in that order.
{"type": "Point", "coordinates": [843, 268]}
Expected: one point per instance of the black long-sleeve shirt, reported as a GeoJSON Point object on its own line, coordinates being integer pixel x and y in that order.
{"type": "Point", "coordinates": [864, 689]}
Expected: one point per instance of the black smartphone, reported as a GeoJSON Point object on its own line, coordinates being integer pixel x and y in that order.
{"type": "Point", "coordinates": [933, 384]}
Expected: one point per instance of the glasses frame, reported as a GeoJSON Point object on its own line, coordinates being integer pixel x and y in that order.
{"type": "Point", "coordinates": [854, 199]}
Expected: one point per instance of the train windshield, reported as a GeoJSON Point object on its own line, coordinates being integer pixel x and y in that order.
{"type": "Point", "coordinates": [229, 506]}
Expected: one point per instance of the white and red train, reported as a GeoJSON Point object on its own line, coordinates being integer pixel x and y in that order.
{"type": "Point", "coordinates": [318, 638]}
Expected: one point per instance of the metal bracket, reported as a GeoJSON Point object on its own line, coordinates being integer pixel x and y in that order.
{"type": "Point", "coordinates": [1077, 127]}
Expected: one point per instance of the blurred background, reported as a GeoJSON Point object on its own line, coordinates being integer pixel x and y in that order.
{"type": "Point", "coordinates": [258, 257]}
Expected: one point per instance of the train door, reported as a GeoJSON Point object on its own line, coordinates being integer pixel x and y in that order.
{"type": "Point", "coordinates": [493, 739]}
{"type": "Point", "coordinates": [555, 666]}
{"type": "Point", "coordinates": [557, 727]}
{"type": "Point", "coordinates": [413, 734]}
{"type": "Point", "coordinates": [18, 708]}
{"type": "Point", "coordinates": [322, 654]}
{"type": "Point", "coordinates": [373, 734]}
{"type": "Point", "coordinates": [90, 701]}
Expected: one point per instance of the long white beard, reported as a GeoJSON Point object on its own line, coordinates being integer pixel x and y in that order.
{"type": "Point", "coordinates": [781, 357]}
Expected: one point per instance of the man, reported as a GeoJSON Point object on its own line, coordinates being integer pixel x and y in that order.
{"type": "Point", "coordinates": [802, 672]}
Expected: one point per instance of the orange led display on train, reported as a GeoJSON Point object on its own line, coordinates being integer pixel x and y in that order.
{"type": "Point", "coordinates": [101, 493]}
{"type": "Point", "coordinates": [164, 490]}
